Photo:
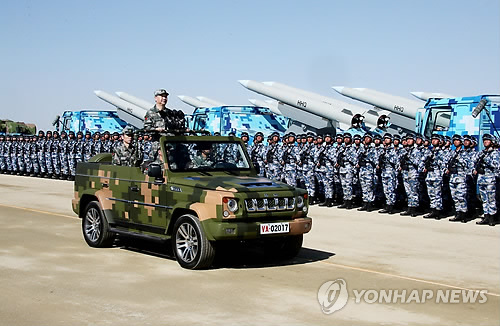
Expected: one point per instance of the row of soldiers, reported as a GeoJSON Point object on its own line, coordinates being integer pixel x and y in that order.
{"type": "Point", "coordinates": [440, 173]}
{"type": "Point", "coordinates": [53, 154]}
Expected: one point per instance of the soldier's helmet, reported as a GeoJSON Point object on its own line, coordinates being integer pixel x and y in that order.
{"type": "Point", "coordinates": [436, 136]}
{"type": "Point", "coordinates": [357, 120]}
{"type": "Point", "coordinates": [377, 137]}
{"type": "Point", "coordinates": [357, 137]}
{"type": "Point", "coordinates": [347, 135]}
{"type": "Point", "coordinates": [457, 137]}
{"type": "Point", "coordinates": [71, 133]}
{"type": "Point", "coordinates": [410, 136]}
{"type": "Point", "coordinates": [244, 134]}
{"type": "Point", "coordinates": [275, 134]}
{"type": "Point", "coordinates": [128, 130]}
{"type": "Point", "coordinates": [319, 137]}
{"type": "Point", "coordinates": [327, 135]}
{"type": "Point", "coordinates": [419, 136]}
{"type": "Point", "coordinates": [367, 134]}
{"type": "Point", "coordinates": [310, 134]}
{"type": "Point", "coordinates": [488, 137]}
{"type": "Point", "coordinates": [231, 134]}
{"type": "Point", "coordinates": [216, 133]}
{"type": "Point", "coordinates": [396, 137]}
{"type": "Point", "coordinates": [80, 133]}
{"type": "Point", "coordinates": [447, 138]}
{"type": "Point", "coordinates": [49, 132]}
{"type": "Point", "coordinates": [63, 133]}
{"type": "Point", "coordinates": [340, 136]}
{"type": "Point", "coordinates": [259, 134]}
{"type": "Point", "coordinates": [291, 134]}
{"type": "Point", "coordinates": [467, 137]}
{"type": "Point", "coordinates": [88, 133]}
{"type": "Point", "coordinates": [41, 133]}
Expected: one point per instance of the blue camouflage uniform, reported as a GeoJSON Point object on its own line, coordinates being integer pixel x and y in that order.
{"type": "Point", "coordinates": [367, 162]}
{"type": "Point", "coordinates": [487, 166]}
{"type": "Point", "coordinates": [290, 158]}
{"type": "Point", "coordinates": [347, 161]}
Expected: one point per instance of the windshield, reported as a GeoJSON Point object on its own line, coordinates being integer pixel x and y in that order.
{"type": "Point", "coordinates": [205, 156]}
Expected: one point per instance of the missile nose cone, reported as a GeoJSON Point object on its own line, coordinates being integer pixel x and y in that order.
{"type": "Point", "coordinates": [417, 94]}
{"type": "Point", "coordinates": [252, 101]}
{"type": "Point", "coordinates": [244, 82]}
{"type": "Point", "coordinates": [338, 89]}
{"type": "Point", "coordinates": [97, 92]}
{"type": "Point", "coordinates": [181, 97]}
{"type": "Point", "coordinates": [119, 93]}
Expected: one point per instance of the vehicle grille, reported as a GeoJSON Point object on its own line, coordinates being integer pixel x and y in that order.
{"type": "Point", "coordinates": [270, 204]}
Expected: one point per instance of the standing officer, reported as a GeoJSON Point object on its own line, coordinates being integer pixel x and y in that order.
{"type": "Point", "coordinates": [64, 155]}
{"type": "Point", "coordinates": [410, 165]}
{"type": "Point", "coordinates": [367, 162]}
{"type": "Point", "coordinates": [346, 162]}
{"type": "Point", "coordinates": [54, 149]}
{"type": "Point", "coordinates": [486, 168]}
{"type": "Point", "coordinates": [71, 150]}
{"type": "Point", "coordinates": [434, 166]}
{"type": "Point", "coordinates": [388, 162]}
{"type": "Point", "coordinates": [457, 169]}
{"type": "Point", "coordinates": [87, 146]}
{"type": "Point", "coordinates": [41, 154]}
{"type": "Point", "coordinates": [162, 119]}
{"type": "Point", "coordinates": [47, 147]}
{"type": "Point", "coordinates": [290, 159]}
{"type": "Point", "coordinates": [257, 153]}
{"type": "Point", "coordinates": [128, 153]}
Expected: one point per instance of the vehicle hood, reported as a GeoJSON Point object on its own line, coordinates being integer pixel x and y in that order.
{"type": "Point", "coordinates": [231, 183]}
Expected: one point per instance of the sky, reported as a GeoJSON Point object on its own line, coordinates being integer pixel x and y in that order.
{"type": "Point", "coordinates": [54, 54]}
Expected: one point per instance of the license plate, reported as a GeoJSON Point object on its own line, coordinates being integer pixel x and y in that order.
{"type": "Point", "coordinates": [271, 228]}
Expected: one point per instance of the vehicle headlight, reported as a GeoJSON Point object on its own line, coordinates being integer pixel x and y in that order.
{"type": "Point", "coordinates": [300, 201]}
{"type": "Point", "coordinates": [232, 204]}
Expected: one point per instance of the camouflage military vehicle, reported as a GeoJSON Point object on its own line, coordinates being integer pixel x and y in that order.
{"type": "Point", "coordinates": [197, 198]}
{"type": "Point", "coordinates": [11, 127]}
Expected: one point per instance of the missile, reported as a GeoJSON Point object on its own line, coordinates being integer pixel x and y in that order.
{"type": "Point", "coordinates": [213, 103]}
{"type": "Point", "coordinates": [129, 112]}
{"type": "Point", "coordinates": [194, 102]}
{"type": "Point", "coordinates": [135, 100]}
{"type": "Point", "coordinates": [272, 105]}
{"type": "Point", "coordinates": [396, 104]}
{"type": "Point", "coordinates": [424, 96]}
{"type": "Point", "coordinates": [333, 110]}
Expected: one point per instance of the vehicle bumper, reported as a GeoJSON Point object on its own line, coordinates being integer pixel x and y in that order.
{"type": "Point", "coordinates": [227, 230]}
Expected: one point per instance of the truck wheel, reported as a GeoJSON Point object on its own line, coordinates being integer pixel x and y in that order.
{"type": "Point", "coordinates": [190, 245]}
{"type": "Point", "coordinates": [95, 227]}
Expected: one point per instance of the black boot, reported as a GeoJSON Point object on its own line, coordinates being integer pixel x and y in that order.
{"type": "Point", "coordinates": [412, 211]}
{"type": "Point", "coordinates": [348, 204]}
{"type": "Point", "coordinates": [370, 207]}
{"type": "Point", "coordinates": [432, 214]}
{"type": "Point", "coordinates": [485, 220]}
{"type": "Point", "coordinates": [493, 220]}
{"type": "Point", "coordinates": [459, 217]}
{"type": "Point", "coordinates": [329, 202]}
{"type": "Point", "coordinates": [364, 207]}
{"type": "Point", "coordinates": [407, 212]}
{"type": "Point", "coordinates": [343, 205]}
{"type": "Point", "coordinates": [439, 214]}
{"type": "Point", "coordinates": [325, 203]}
{"type": "Point", "coordinates": [387, 210]}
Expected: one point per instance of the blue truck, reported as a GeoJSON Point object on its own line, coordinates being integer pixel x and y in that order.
{"type": "Point", "coordinates": [474, 116]}
{"type": "Point", "coordinates": [237, 119]}
{"type": "Point", "coordinates": [87, 120]}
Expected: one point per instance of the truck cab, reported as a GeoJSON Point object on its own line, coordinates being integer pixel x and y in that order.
{"type": "Point", "coordinates": [92, 121]}
{"type": "Point", "coordinates": [237, 119]}
{"type": "Point", "coordinates": [452, 116]}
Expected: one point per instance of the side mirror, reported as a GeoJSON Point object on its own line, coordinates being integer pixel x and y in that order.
{"type": "Point", "coordinates": [154, 171]}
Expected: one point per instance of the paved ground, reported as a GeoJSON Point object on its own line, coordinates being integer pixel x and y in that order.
{"type": "Point", "coordinates": [50, 276]}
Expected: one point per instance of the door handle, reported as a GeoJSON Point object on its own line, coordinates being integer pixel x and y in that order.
{"type": "Point", "coordinates": [134, 188]}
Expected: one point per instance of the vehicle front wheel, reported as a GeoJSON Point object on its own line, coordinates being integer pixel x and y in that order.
{"type": "Point", "coordinates": [95, 227]}
{"type": "Point", "coordinates": [190, 244]}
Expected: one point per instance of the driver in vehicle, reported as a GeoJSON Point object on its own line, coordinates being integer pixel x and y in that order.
{"type": "Point", "coordinates": [204, 158]}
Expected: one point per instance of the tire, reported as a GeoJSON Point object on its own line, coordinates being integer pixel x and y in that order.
{"type": "Point", "coordinates": [190, 244]}
{"type": "Point", "coordinates": [95, 227]}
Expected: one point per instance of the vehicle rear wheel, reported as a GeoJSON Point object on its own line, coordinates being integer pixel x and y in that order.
{"type": "Point", "coordinates": [190, 244]}
{"type": "Point", "coordinates": [95, 227]}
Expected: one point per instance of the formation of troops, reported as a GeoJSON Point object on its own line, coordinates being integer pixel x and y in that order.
{"type": "Point", "coordinates": [54, 155]}
{"type": "Point", "coordinates": [438, 176]}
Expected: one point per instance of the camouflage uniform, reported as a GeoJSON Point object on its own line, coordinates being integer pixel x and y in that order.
{"type": "Point", "coordinates": [34, 156]}
{"type": "Point", "coordinates": [71, 149]}
{"type": "Point", "coordinates": [28, 165]}
{"type": "Point", "coordinates": [6, 154]}
{"type": "Point", "coordinates": [347, 161]}
{"type": "Point", "coordinates": [458, 167]}
{"type": "Point", "coordinates": [87, 149]}
{"type": "Point", "coordinates": [48, 155]}
{"type": "Point", "coordinates": [307, 159]}
{"type": "Point", "coordinates": [41, 154]}
{"type": "Point", "coordinates": [166, 119]}
{"type": "Point", "coordinates": [2, 159]}
{"type": "Point", "coordinates": [127, 156]}
{"type": "Point", "coordinates": [434, 162]}
{"type": "Point", "coordinates": [487, 166]}
{"type": "Point", "coordinates": [368, 160]}
{"type": "Point", "coordinates": [388, 163]}
{"type": "Point", "coordinates": [290, 158]}
{"type": "Point", "coordinates": [64, 155]}
{"type": "Point", "coordinates": [410, 166]}
{"type": "Point", "coordinates": [257, 156]}
{"type": "Point", "coordinates": [273, 162]}
{"type": "Point", "coordinates": [54, 149]}
{"type": "Point", "coordinates": [324, 171]}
